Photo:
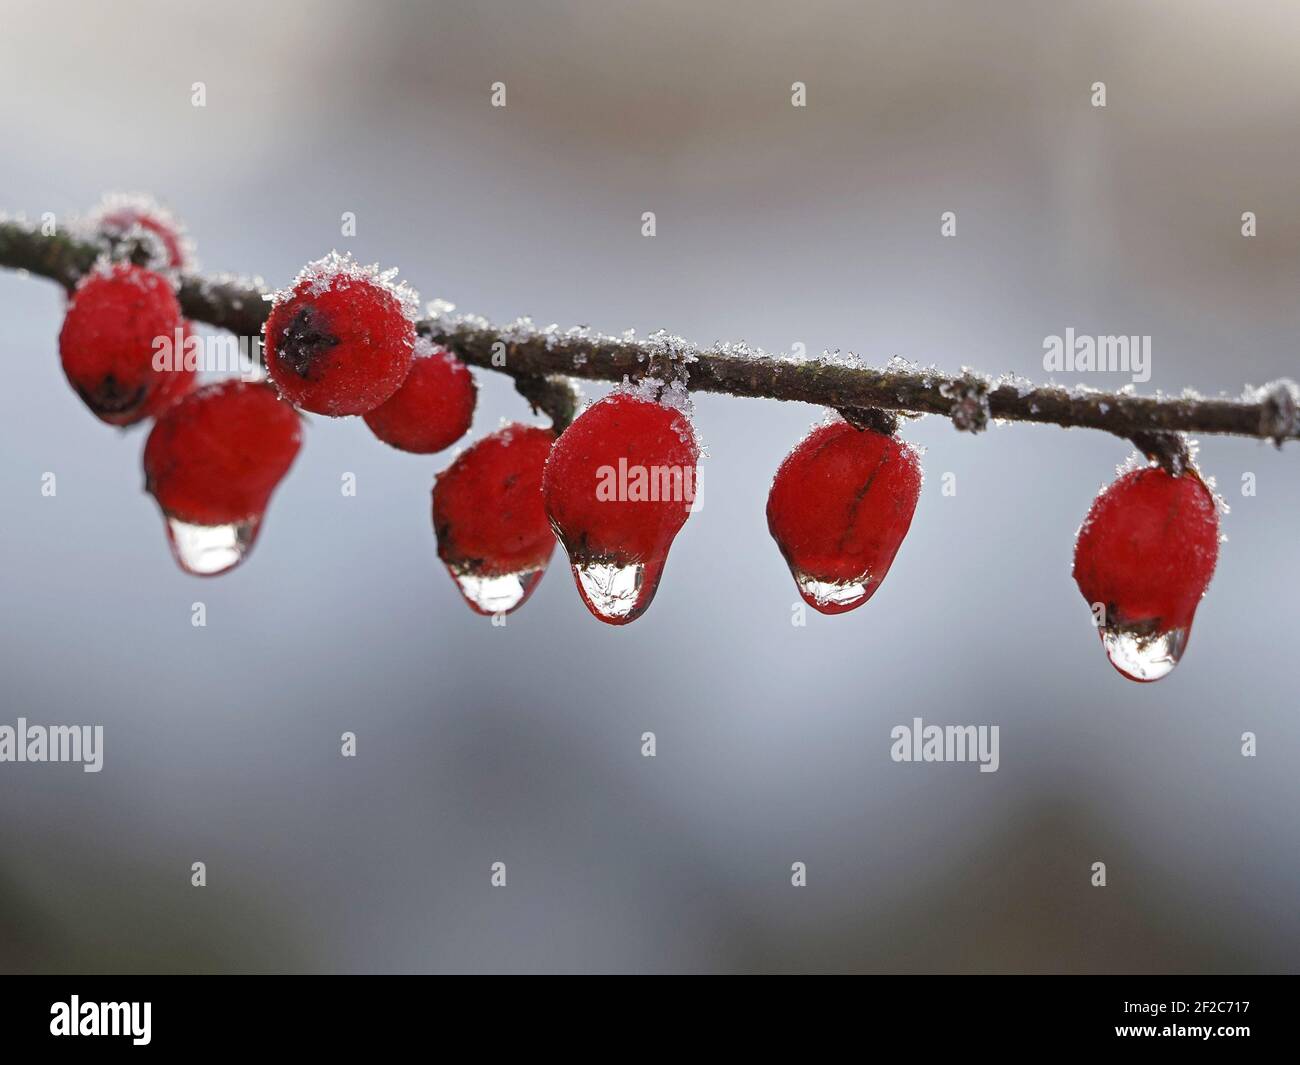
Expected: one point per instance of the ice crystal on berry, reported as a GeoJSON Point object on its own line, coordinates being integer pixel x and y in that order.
{"type": "Point", "coordinates": [337, 271]}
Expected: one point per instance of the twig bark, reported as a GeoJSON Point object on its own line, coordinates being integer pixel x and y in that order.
{"type": "Point", "coordinates": [535, 358]}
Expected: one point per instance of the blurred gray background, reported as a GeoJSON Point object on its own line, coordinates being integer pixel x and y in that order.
{"type": "Point", "coordinates": [781, 226]}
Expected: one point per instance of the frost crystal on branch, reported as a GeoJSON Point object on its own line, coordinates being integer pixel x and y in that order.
{"type": "Point", "coordinates": [236, 303]}
{"type": "Point", "coordinates": [337, 271]}
{"type": "Point", "coordinates": [1279, 410]}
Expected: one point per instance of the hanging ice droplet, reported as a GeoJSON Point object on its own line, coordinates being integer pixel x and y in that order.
{"type": "Point", "coordinates": [610, 591]}
{"type": "Point", "coordinates": [834, 597]}
{"type": "Point", "coordinates": [1144, 658]}
{"type": "Point", "coordinates": [617, 592]}
{"type": "Point", "coordinates": [206, 550]}
{"type": "Point", "coordinates": [497, 594]}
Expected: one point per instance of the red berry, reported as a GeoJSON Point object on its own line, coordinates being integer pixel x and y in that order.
{"type": "Point", "coordinates": [433, 408]}
{"type": "Point", "coordinates": [180, 380]}
{"type": "Point", "coordinates": [492, 529]}
{"type": "Point", "coordinates": [342, 339]}
{"type": "Point", "coordinates": [618, 486]}
{"type": "Point", "coordinates": [1146, 553]}
{"type": "Point", "coordinates": [121, 219]}
{"type": "Point", "coordinates": [212, 461]}
{"type": "Point", "coordinates": [839, 507]}
{"type": "Point", "coordinates": [115, 318]}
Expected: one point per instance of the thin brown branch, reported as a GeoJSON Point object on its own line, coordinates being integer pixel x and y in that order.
{"type": "Point", "coordinates": [535, 357]}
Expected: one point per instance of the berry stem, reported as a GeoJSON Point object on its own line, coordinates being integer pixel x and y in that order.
{"type": "Point", "coordinates": [1168, 449]}
{"type": "Point", "coordinates": [553, 396]}
{"type": "Point", "coordinates": [970, 400]}
{"type": "Point", "coordinates": [880, 421]}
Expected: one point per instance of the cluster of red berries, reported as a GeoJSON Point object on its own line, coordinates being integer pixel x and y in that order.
{"type": "Point", "coordinates": [615, 487]}
{"type": "Point", "coordinates": [839, 507]}
{"type": "Point", "coordinates": [340, 341]}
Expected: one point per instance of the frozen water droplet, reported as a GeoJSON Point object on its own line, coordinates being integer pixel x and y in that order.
{"type": "Point", "coordinates": [497, 594]}
{"type": "Point", "coordinates": [617, 593]}
{"type": "Point", "coordinates": [835, 597]}
{"type": "Point", "coordinates": [610, 590]}
{"type": "Point", "coordinates": [1144, 658]}
{"type": "Point", "coordinates": [206, 550]}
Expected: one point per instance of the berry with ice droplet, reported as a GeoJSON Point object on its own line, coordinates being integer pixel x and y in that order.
{"type": "Point", "coordinates": [341, 339]}
{"type": "Point", "coordinates": [212, 461]}
{"type": "Point", "coordinates": [433, 408]}
{"type": "Point", "coordinates": [139, 226]}
{"type": "Point", "coordinates": [618, 487]}
{"type": "Point", "coordinates": [493, 534]}
{"type": "Point", "coordinates": [840, 504]}
{"type": "Point", "coordinates": [1145, 555]}
{"type": "Point", "coordinates": [115, 319]}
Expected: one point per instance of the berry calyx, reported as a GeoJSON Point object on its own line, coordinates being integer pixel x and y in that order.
{"type": "Point", "coordinates": [212, 461]}
{"type": "Point", "coordinates": [1143, 560]}
{"type": "Point", "coordinates": [840, 504]}
{"type": "Point", "coordinates": [618, 487]}
{"type": "Point", "coordinates": [341, 339]}
{"type": "Point", "coordinates": [493, 533]}
{"type": "Point", "coordinates": [434, 406]}
{"type": "Point", "coordinates": [135, 221]}
{"type": "Point", "coordinates": [116, 317]}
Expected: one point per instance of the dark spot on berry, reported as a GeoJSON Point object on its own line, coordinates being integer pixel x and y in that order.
{"type": "Point", "coordinates": [110, 397]}
{"type": "Point", "coordinates": [305, 340]}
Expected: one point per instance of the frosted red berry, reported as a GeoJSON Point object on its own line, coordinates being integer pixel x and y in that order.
{"type": "Point", "coordinates": [341, 340]}
{"type": "Point", "coordinates": [493, 533]}
{"type": "Point", "coordinates": [618, 487]}
{"type": "Point", "coordinates": [212, 461]}
{"type": "Point", "coordinates": [433, 408]}
{"type": "Point", "coordinates": [1143, 560]}
{"type": "Point", "coordinates": [840, 505]}
{"type": "Point", "coordinates": [116, 319]}
{"type": "Point", "coordinates": [124, 218]}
